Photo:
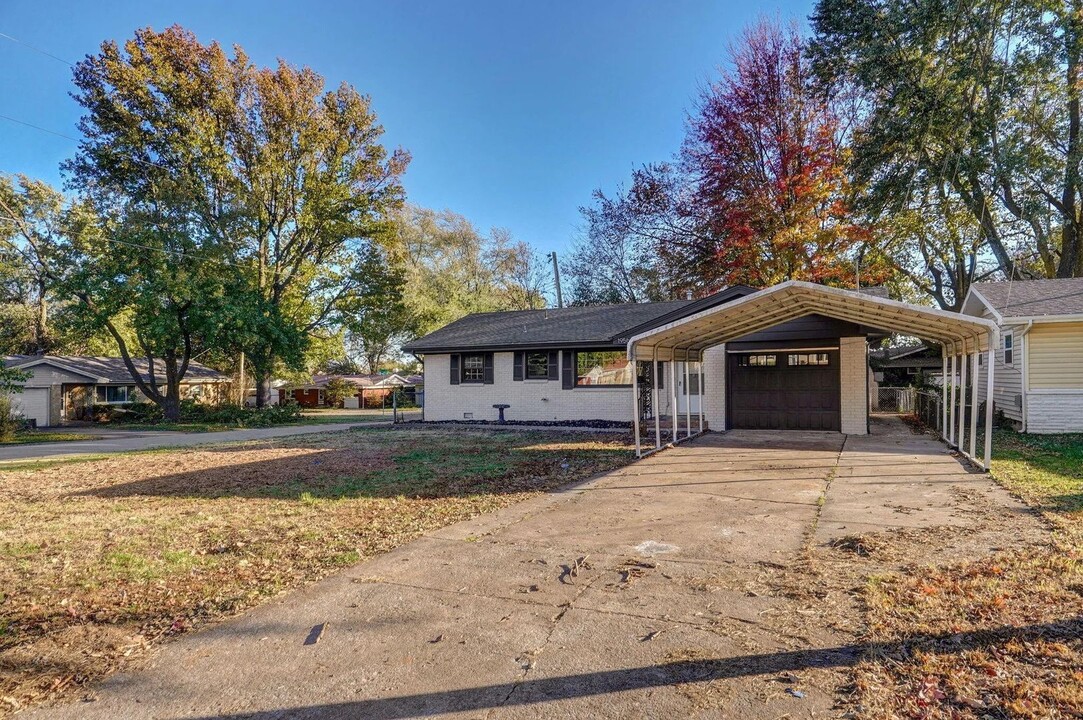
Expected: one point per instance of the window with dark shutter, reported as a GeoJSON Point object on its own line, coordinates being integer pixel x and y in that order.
{"type": "Point", "coordinates": [487, 369]}
{"type": "Point", "coordinates": [554, 366]}
{"type": "Point", "coordinates": [454, 369]}
{"type": "Point", "coordinates": [517, 367]}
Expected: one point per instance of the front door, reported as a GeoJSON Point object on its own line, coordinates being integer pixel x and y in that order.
{"type": "Point", "coordinates": [688, 394]}
{"type": "Point", "coordinates": [784, 390]}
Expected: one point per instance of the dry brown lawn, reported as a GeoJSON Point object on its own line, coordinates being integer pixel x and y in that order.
{"type": "Point", "coordinates": [996, 635]}
{"type": "Point", "coordinates": [102, 559]}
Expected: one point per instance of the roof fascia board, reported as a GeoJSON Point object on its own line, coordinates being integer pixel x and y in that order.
{"type": "Point", "coordinates": [63, 366]}
{"type": "Point", "coordinates": [973, 291]}
{"type": "Point", "coordinates": [579, 345]}
{"type": "Point", "coordinates": [1024, 319]}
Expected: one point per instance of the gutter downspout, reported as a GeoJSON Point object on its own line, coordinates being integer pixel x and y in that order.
{"type": "Point", "coordinates": [1026, 370]}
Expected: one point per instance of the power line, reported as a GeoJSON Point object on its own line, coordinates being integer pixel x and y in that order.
{"type": "Point", "coordinates": [36, 49]}
{"type": "Point", "coordinates": [38, 127]}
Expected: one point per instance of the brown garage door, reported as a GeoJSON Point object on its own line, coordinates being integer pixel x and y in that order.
{"type": "Point", "coordinates": [784, 390]}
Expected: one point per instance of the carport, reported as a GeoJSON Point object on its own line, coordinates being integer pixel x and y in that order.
{"type": "Point", "coordinates": [684, 340]}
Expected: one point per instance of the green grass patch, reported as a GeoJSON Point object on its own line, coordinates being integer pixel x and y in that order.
{"type": "Point", "coordinates": [1046, 470]}
{"type": "Point", "coordinates": [27, 437]}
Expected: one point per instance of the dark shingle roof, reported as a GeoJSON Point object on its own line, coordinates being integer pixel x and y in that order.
{"type": "Point", "coordinates": [113, 369]}
{"type": "Point", "coordinates": [1034, 298]}
{"type": "Point", "coordinates": [574, 327]}
{"type": "Point", "coordinates": [594, 325]}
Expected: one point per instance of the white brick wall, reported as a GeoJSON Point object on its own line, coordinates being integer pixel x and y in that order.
{"type": "Point", "coordinates": [529, 399]}
{"type": "Point", "coordinates": [853, 366]}
{"type": "Point", "coordinates": [1055, 412]}
{"type": "Point", "coordinates": [714, 387]}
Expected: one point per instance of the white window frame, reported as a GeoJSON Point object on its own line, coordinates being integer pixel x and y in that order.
{"type": "Point", "coordinates": [1004, 349]}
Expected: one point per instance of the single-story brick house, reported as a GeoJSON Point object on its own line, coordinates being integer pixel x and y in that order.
{"type": "Point", "coordinates": [791, 356]}
{"type": "Point", "coordinates": [373, 391]}
{"type": "Point", "coordinates": [64, 387]}
{"type": "Point", "coordinates": [1039, 362]}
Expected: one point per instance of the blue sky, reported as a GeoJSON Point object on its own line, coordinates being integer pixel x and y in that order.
{"type": "Point", "coordinates": [514, 112]}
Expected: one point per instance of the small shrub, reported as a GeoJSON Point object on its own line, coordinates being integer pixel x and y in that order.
{"type": "Point", "coordinates": [10, 422]}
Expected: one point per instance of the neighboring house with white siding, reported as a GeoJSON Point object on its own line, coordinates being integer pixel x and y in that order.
{"type": "Point", "coordinates": [1038, 378]}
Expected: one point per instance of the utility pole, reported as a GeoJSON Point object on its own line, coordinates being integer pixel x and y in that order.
{"type": "Point", "coordinates": [556, 274]}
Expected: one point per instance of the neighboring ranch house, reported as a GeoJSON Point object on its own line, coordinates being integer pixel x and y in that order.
{"type": "Point", "coordinates": [373, 391]}
{"type": "Point", "coordinates": [906, 365]}
{"type": "Point", "coordinates": [65, 387]}
{"type": "Point", "coordinates": [790, 357]}
{"type": "Point", "coordinates": [1038, 380]}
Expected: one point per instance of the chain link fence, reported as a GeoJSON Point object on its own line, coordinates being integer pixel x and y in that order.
{"type": "Point", "coordinates": [924, 405]}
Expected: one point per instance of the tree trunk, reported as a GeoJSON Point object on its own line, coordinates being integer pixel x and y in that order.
{"type": "Point", "coordinates": [41, 324]}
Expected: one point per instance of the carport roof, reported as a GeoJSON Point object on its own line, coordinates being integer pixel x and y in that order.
{"type": "Point", "coordinates": [687, 336]}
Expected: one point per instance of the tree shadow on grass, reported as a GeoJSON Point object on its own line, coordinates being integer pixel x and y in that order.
{"type": "Point", "coordinates": [422, 470]}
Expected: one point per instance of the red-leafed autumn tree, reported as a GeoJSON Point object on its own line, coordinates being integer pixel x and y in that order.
{"type": "Point", "coordinates": [767, 172]}
{"type": "Point", "coordinates": [759, 193]}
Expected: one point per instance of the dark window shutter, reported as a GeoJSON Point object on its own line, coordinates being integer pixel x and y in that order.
{"type": "Point", "coordinates": [661, 375]}
{"type": "Point", "coordinates": [455, 376]}
{"type": "Point", "coordinates": [568, 374]}
{"type": "Point", "coordinates": [554, 365]}
{"type": "Point", "coordinates": [517, 367]}
{"type": "Point", "coordinates": [487, 369]}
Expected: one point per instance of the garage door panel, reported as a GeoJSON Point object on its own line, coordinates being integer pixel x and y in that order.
{"type": "Point", "coordinates": [784, 397]}
{"type": "Point", "coordinates": [33, 404]}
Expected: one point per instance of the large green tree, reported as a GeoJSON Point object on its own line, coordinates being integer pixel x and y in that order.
{"type": "Point", "coordinates": [263, 170]}
{"type": "Point", "coordinates": [979, 98]}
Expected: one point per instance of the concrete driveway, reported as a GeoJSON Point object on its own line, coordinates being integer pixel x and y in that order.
{"type": "Point", "coordinates": [644, 593]}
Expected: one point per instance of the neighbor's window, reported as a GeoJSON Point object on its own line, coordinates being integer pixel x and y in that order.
{"type": "Point", "coordinates": [1009, 348]}
{"type": "Point", "coordinates": [114, 393]}
{"type": "Point", "coordinates": [603, 368]}
{"type": "Point", "coordinates": [537, 366]}
{"type": "Point", "coordinates": [808, 359]}
{"type": "Point", "coordinates": [473, 368]}
{"type": "Point", "coordinates": [757, 361]}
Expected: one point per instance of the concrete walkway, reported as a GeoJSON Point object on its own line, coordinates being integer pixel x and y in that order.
{"type": "Point", "coordinates": [639, 594]}
{"type": "Point", "coordinates": [111, 441]}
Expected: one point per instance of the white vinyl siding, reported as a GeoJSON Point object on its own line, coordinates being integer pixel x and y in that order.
{"type": "Point", "coordinates": [1056, 356]}
{"type": "Point", "coordinates": [526, 400]}
{"type": "Point", "coordinates": [1008, 379]}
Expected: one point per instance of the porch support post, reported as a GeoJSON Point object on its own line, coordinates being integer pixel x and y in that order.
{"type": "Point", "coordinates": [687, 400]}
{"type": "Point", "coordinates": [654, 400]}
{"type": "Point", "coordinates": [954, 389]}
{"type": "Point", "coordinates": [635, 402]}
{"type": "Point", "coordinates": [944, 393]}
{"type": "Point", "coordinates": [973, 403]}
{"type": "Point", "coordinates": [673, 391]}
{"type": "Point", "coordinates": [994, 342]}
{"type": "Point", "coordinates": [962, 403]}
{"type": "Point", "coordinates": [699, 389]}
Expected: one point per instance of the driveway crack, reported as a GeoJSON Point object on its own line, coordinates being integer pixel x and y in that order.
{"type": "Point", "coordinates": [531, 656]}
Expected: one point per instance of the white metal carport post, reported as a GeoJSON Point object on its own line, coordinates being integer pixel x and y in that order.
{"type": "Point", "coordinates": [974, 400]}
{"type": "Point", "coordinates": [699, 389]}
{"type": "Point", "coordinates": [994, 342]}
{"type": "Point", "coordinates": [944, 393]}
{"type": "Point", "coordinates": [962, 401]}
{"type": "Point", "coordinates": [673, 392]}
{"type": "Point", "coordinates": [687, 400]}
{"type": "Point", "coordinates": [635, 405]}
{"type": "Point", "coordinates": [654, 400]}
{"type": "Point", "coordinates": [951, 418]}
